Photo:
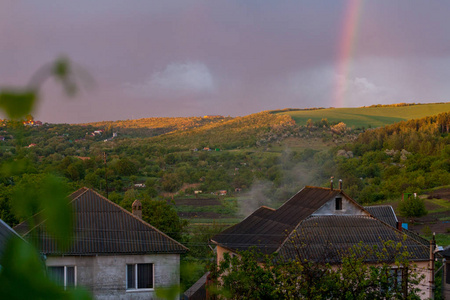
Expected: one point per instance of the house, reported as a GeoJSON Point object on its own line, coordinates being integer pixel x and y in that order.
{"type": "Point", "coordinates": [6, 233]}
{"type": "Point", "coordinates": [446, 279]}
{"type": "Point", "coordinates": [321, 222]}
{"type": "Point", "coordinates": [115, 254]}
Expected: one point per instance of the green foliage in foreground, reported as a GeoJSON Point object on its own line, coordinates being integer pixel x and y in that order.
{"type": "Point", "coordinates": [251, 275]}
{"type": "Point", "coordinates": [22, 270]}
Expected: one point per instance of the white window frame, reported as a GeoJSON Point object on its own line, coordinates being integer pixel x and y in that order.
{"type": "Point", "coordinates": [135, 269]}
{"type": "Point", "coordinates": [65, 274]}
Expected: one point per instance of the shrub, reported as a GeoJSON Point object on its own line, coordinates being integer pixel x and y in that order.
{"type": "Point", "coordinates": [412, 207]}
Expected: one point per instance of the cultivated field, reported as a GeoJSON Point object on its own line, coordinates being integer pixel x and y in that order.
{"type": "Point", "coordinates": [359, 117]}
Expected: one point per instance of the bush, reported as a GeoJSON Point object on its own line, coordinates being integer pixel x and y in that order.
{"type": "Point", "coordinates": [412, 207]}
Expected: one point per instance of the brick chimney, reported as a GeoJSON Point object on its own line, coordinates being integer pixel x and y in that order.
{"type": "Point", "coordinates": [136, 208]}
{"type": "Point", "coordinates": [399, 226]}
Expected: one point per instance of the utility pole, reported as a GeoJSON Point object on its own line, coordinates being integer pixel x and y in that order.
{"type": "Point", "coordinates": [106, 174]}
{"type": "Point", "coordinates": [431, 266]}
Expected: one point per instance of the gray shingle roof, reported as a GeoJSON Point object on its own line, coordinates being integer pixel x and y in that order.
{"type": "Point", "coordinates": [384, 213]}
{"type": "Point", "coordinates": [103, 227]}
{"type": "Point", "coordinates": [6, 232]}
{"type": "Point", "coordinates": [326, 237]}
{"type": "Point", "coordinates": [291, 225]}
{"type": "Point", "coordinates": [446, 253]}
{"type": "Point", "coordinates": [267, 228]}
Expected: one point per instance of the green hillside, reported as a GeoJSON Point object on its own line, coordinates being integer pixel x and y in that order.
{"type": "Point", "coordinates": [225, 133]}
{"type": "Point", "coordinates": [374, 116]}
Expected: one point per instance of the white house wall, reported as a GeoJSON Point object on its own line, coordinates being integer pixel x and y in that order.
{"type": "Point", "coordinates": [105, 276]}
{"type": "Point", "coordinates": [348, 208]}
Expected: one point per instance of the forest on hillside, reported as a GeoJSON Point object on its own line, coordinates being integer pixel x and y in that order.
{"type": "Point", "coordinates": [233, 155]}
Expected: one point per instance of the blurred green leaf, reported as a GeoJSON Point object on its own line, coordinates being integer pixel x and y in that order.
{"type": "Point", "coordinates": [62, 70]}
{"type": "Point", "coordinates": [14, 168]}
{"type": "Point", "coordinates": [57, 210]}
{"type": "Point", "coordinates": [22, 274]}
{"type": "Point", "coordinates": [44, 197]}
{"type": "Point", "coordinates": [17, 103]}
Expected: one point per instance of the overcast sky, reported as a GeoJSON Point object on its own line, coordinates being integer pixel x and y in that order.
{"type": "Point", "coordinates": [194, 58]}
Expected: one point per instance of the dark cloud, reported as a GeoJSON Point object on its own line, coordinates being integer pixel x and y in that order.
{"type": "Point", "coordinates": [184, 58]}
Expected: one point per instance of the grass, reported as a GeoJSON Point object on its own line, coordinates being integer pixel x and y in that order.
{"type": "Point", "coordinates": [368, 116]}
{"type": "Point", "coordinates": [441, 239]}
{"type": "Point", "coordinates": [439, 205]}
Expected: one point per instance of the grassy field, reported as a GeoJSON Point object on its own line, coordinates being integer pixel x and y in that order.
{"type": "Point", "coordinates": [368, 116]}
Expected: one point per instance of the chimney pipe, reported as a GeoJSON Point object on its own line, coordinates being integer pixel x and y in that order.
{"type": "Point", "coordinates": [340, 184]}
{"type": "Point", "coordinates": [331, 184]}
{"type": "Point", "coordinates": [136, 209]}
{"type": "Point", "coordinates": [399, 226]}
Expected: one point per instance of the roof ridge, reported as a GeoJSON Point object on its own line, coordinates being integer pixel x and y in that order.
{"type": "Point", "coordinates": [267, 207]}
{"type": "Point", "coordinates": [84, 192]}
{"type": "Point", "coordinates": [9, 228]}
{"type": "Point", "coordinates": [131, 214]}
{"type": "Point", "coordinates": [307, 217]}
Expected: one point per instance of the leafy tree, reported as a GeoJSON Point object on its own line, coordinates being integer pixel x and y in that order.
{"type": "Point", "coordinates": [164, 217]}
{"type": "Point", "coordinates": [125, 167]}
{"type": "Point", "coordinates": [412, 207]}
{"type": "Point", "coordinates": [252, 275]}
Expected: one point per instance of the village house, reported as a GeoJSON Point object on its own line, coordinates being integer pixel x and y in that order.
{"type": "Point", "coordinates": [318, 224]}
{"type": "Point", "coordinates": [115, 254]}
{"type": "Point", "coordinates": [6, 233]}
{"type": "Point", "coordinates": [446, 278]}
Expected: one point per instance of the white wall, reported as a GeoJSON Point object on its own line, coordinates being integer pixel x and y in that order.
{"type": "Point", "coordinates": [348, 208]}
{"type": "Point", "coordinates": [105, 276]}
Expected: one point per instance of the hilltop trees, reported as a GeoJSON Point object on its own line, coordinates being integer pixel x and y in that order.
{"type": "Point", "coordinates": [406, 157]}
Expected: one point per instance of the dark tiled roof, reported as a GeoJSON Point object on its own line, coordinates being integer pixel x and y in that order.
{"type": "Point", "coordinates": [446, 253]}
{"type": "Point", "coordinates": [384, 213]}
{"type": "Point", "coordinates": [326, 237]}
{"type": "Point", "coordinates": [5, 233]}
{"type": "Point", "coordinates": [275, 230]}
{"type": "Point", "coordinates": [387, 214]}
{"type": "Point", "coordinates": [267, 228]}
{"type": "Point", "coordinates": [103, 227]}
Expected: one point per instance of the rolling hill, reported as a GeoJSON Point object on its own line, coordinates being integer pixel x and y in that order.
{"type": "Point", "coordinates": [373, 116]}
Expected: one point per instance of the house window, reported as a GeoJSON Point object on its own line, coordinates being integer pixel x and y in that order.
{"type": "Point", "coordinates": [338, 203]}
{"type": "Point", "coordinates": [139, 276]}
{"type": "Point", "coordinates": [63, 275]}
{"type": "Point", "coordinates": [397, 279]}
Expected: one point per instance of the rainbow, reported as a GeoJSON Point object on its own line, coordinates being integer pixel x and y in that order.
{"type": "Point", "coordinates": [345, 50]}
